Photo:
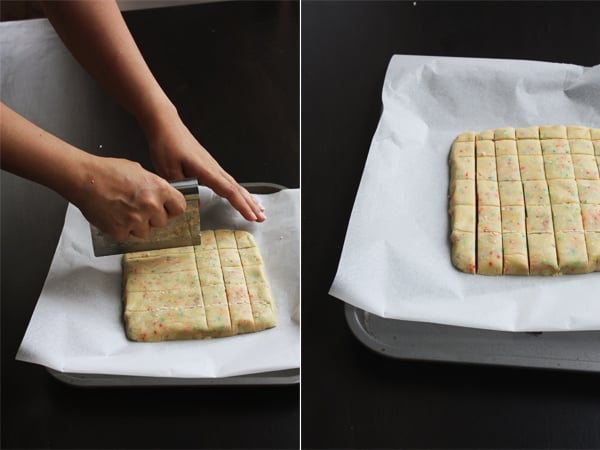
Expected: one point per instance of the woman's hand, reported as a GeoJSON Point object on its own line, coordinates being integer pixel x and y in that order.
{"type": "Point", "coordinates": [122, 199]}
{"type": "Point", "coordinates": [177, 154]}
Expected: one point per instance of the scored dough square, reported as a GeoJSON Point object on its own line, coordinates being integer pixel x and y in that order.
{"type": "Point", "coordinates": [506, 148]}
{"type": "Point", "coordinates": [589, 191]}
{"type": "Point", "coordinates": [577, 132]}
{"type": "Point", "coordinates": [467, 136]}
{"type": "Point", "coordinates": [567, 217]}
{"type": "Point", "coordinates": [595, 133]}
{"type": "Point", "coordinates": [596, 147]}
{"type": "Point", "coordinates": [529, 147]}
{"type": "Point", "coordinates": [486, 168]}
{"type": "Point", "coordinates": [528, 133]}
{"type": "Point", "coordinates": [579, 147]}
{"type": "Point", "coordinates": [572, 252]}
{"type": "Point", "coordinates": [204, 294]}
{"type": "Point", "coordinates": [462, 168]}
{"type": "Point", "coordinates": [462, 192]}
{"type": "Point", "coordinates": [563, 191]}
{"type": "Point", "coordinates": [585, 167]}
{"type": "Point", "coordinates": [539, 219]}
{"type": "Point", "coordinates": [536, 193]}
{"type": "Point", "coordinates": [463, 149]}
{"type": "Point", "coordinates": [489, 253]}
{"type": "Point", "coordinates": [487, 193]}
{"type": "Point", "coordinates": [488, 135]}
{"type": "Point", "coordinates": [462, 218]}
{"type": "Point", "coordinates": [542, 254]}
{"type": "Point", "coordinates": [592, 240]}
{"type": "Point", "coordinates": [516, 261]}
{"type": "Point", "coordinates": [553, 132]}
{"type": "Point", "coordinates": [555, 147]}
{"type": "Point", "coordinates": [532, 167]}
{"type": "Point", "coordinates": [591, 217]}
{"type": "Point", "coordinates": [486, 148]}
{"type": "Point", "coordinates": [513, 219]}
{"type": "Point", "coordinates": [511, 193]}
{"type": "Point", "coordinates": [504, 133]}
{"type": "Point", "coordinates": [463, 251]}
{"type": "Point", "coordinates": [508, 168]}
{"type": "Point", "coordinates": [488, 219]}
{"type": "Point", "coordinates": [558, 166]}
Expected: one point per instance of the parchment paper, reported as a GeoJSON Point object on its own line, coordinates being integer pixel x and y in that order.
{"type": "Point", "coordinates": [77, 323]}
{"type": "Point", "coordinates": [396, 257]}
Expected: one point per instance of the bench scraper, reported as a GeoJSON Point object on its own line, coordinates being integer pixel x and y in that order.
{"type": "Point", "coordinates": [179, 231]}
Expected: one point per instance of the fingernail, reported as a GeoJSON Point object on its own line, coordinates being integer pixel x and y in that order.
{"type": "Point", "coordinates": [262, 216]}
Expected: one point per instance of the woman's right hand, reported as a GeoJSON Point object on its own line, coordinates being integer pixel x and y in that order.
{"type": "Point", "coordinates": [121, 198]}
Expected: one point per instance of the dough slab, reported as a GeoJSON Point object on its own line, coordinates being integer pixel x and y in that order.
{"type": "Point", "coordinates": [215, 289]}
{"type": "Point", "coordinates": [526, 201]}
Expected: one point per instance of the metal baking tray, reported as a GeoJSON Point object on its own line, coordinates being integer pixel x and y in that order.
{"type": "Point", "coordinates": [566, 350]}
{"type": "Point", "coordinates": [279, 377]}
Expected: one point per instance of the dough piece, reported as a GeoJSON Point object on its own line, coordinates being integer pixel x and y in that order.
{"type": "Point", "coordinates": [591, 217]}
{"type": "Point", "coordinates": [488, 135]}
{"type": "Point", "coordinates": [592, 240]}
{"type": "Point", "coordinates": [511, 193]}
{"type": "Point", "coordinates": [489, 253]}
{"type": "Point", "coordinates": [555, 147]}
{"type": "Point", "coordinates": [508, 168]}
{"type": "Point", "coordinates": [563, 191]}
{"type": "Point", "coordinates": [542, 254]}
{"type": "Point", "coordinates": [532, 167]}
{"type": "Point", "coordinates": [580, 147]}
{"type": "Point", "coordinates": [487, 193]}
{"type": "Point", "coordinates": [572, 252]}
{"type": "Point", "coordinates": [516, 260]}
{"type": "Point", "coordinates": [485, 148]}
{"type": "Point", "coordinates": [529, 147]}
{"type": "Point", "coordinates": [215, 289]}
{"type": "Point", "coordinates": [462, 218]}
{"type": "Point", "coordinates": [536, 193]}
{"type": "Point", "coordinates": [468, 136]}
{"type": "Point", "coordinates": [463, 251]}
{"type": "Point", "coordinates": [539, 219]}
{"type": "Point", "coordinates": [506, 148]}
{"type": "Point", "coordinates": [504, 133]}
{"type": "Point", "coordinates": [513, 219]}
{"type": "Point", "coordinates": [553, 132]}
{"type": "Point", "coordinates": [577, 132]}
{"type": "Point", "coordinates": [558, 166]}
{"type": "Point", "coordinates": [585, 167]}
{"type": "Point", "coordinates": [589, 191]}
{"type": "Point", "coordinates": [462, 192]}
{"type": "Point", "coordinates": [489, 219]}
{"type": "Point", "coordinates": [528, 133]}
{"type": "Point", "coordinates": [462, 169]}
{"type": "Point", "coordinates": [463, 149]}
{"type": "Point", "coordinates": [567, 217]}
{"type": "Point", "coordinates": [531, 186]}
{"type": "Point", "coordinates": [486, 169]}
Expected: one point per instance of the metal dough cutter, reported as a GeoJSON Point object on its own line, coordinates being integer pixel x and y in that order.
{"type": "Point", "coordinates": [180, 231]}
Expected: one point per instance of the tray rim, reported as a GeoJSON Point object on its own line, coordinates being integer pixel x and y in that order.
{"type": "Point", "coordinates": [356, 324]}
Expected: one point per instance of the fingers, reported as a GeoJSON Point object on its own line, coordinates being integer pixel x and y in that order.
{"type": "Point", "coordinates": [241, 200]}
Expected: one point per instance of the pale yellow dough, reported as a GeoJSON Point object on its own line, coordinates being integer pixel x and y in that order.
{"type": "Point", "coordinates": [526, 201]}
{"type": "Point", "coordinates": [215, 289]}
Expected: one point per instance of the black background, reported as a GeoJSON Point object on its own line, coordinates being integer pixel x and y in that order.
{"type": "Point", "coordinates": [232, 69]}
{"type": "Point", "coordinates": [351, 397]}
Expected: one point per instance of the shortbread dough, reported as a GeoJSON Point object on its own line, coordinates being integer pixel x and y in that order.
{"type": "Point", "coordinates": [526, 201]}
{"type": "Point", "coordinates": [218, 288]}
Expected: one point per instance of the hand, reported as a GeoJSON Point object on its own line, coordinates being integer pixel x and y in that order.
{"type": "Point", "coordinates": [177, 154]}
{"type": "Point", "coordinates": [121, 198]}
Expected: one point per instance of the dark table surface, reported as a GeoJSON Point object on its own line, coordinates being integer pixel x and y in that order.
{"type": "Point", "coordinates": [232, 69]}
{"type": "Point", "coordinates": [352, 397]}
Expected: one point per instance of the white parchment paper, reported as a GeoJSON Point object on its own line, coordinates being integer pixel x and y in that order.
{"type": "Point", "coordinates": [77, 323]}
{"type": "Point", "coordinates": [396, 257]}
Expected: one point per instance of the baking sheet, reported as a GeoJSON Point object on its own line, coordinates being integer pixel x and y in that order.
{"type": "Point", "coordinates": [396, 257]}
{"type": "Point", "coordinates": [77, 327]}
